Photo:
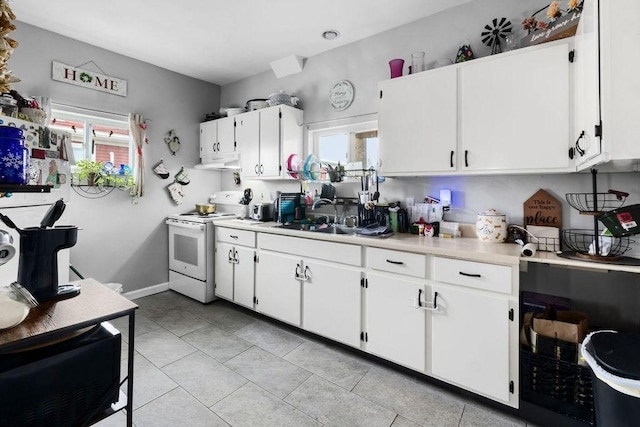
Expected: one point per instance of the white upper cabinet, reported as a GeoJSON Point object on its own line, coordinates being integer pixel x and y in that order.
{"type": "Point", "coordinates": [417, 123]}
{"type": "Point", "coordinates": [607, 85]}
{"type": "Point", "coordinates": [265, 139]}
{"type": "Point", "coordinates": [508, 113]}
{"type": "Point", "coordinates": [248, 137]}
{"type": "Point", "coordinates": [587, 97]}
{"type": "Point", "coordinates": [515, 111]}
{"type": "Point", "coordinates": [217, 139]}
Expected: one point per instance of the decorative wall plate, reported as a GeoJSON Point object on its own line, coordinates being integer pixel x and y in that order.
{"type": "Point", "coordinates": [341, 95]}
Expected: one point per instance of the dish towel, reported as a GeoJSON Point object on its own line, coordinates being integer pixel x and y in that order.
{"type": "Point", "coordinates": [375, 229]}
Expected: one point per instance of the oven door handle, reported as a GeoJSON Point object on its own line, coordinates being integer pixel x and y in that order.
{"type": "Point", "coordinates": [189, 226]}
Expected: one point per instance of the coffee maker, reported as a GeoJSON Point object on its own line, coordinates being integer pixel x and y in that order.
{"type": "Point", "coordinates": [38, 261]}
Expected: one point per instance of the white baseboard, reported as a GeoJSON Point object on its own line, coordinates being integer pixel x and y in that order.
{"type": "Point", "coordinates": [145, 292]}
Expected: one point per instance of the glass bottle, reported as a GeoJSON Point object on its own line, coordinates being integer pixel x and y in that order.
{"type": "Point", "coordinates": [417, 62]}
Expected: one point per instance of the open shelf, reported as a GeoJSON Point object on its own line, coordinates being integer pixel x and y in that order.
{"type": "Point", "coordinates": [17, 188]}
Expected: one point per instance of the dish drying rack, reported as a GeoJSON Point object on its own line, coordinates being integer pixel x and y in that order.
{"type": "Point", "coordinates": [314, 170]}
{"type": "Point", "coordinates": [591, 244]}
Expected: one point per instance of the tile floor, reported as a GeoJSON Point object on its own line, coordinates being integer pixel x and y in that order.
{"type": "Point", "coordinates": [219, 365]}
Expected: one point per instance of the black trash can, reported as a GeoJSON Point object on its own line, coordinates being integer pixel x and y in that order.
{"type": "Point", "coordinates": [614, 359]}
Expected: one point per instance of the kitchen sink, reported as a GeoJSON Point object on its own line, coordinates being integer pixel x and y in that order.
{"type": "Point", "coordinates": [319, 228]}
{"type": "Point", "coordinates": [371, 231]}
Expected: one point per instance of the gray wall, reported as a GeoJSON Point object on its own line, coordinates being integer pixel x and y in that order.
{"type": "Point", "coordinates": [120, 241]}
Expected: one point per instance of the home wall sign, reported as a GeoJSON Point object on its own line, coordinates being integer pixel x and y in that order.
{"type": "Point", "coordinates": [88, 79]}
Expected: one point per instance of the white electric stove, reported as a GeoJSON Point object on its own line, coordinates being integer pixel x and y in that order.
{"type": "Point", "coordinates": [191, 246]}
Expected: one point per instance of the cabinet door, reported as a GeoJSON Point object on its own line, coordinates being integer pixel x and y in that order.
{"type": "Point", "coordinates": [395, 329]}
{"type": "Point", "coordinates": [270, 142]}
{"type": "Point", "coordinates": [248, 138]}
{"type": "Point", "coordinates": [224, 270]}
{"type": "Point", "coordinates": [470, 340]}
{"type": "Point", "coordinates": [515, 111]}
{"type": "Point", "coordinates": [208, 138]}
{"type": "Point", "coordinates": [587, 86]}
{"type": "Point", "coordinates": [243, 277]}
{"type": "Point", "coordinates": [418, 123]}
{"type": "Point", "coordinates": [331, 301]}
{"type": "Point", "coordinates": [226, 135]}
{"type": "Point", "coordinates": [277, 289]}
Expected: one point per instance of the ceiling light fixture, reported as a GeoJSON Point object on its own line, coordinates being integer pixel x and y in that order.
{"type": "Point", "coordinates": [330, 34]}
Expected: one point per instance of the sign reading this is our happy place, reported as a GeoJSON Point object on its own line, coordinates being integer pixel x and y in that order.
{"type": "Point", "coordinates": [88, 79]}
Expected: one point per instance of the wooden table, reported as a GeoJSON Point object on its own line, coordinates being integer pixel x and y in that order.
{"type": "Point", "coordinates": [52, 320]}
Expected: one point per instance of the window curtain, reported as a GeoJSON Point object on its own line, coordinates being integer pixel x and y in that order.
{"type": "Point", "coordinates": [138, 130]}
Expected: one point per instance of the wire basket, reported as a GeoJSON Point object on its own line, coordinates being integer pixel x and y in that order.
{"type": "Point", "coordinates": [585, 202]}
{"type": "Point", "coordinates": [563, 387]}
{"type": "Point", "coordinates": [583, 241]}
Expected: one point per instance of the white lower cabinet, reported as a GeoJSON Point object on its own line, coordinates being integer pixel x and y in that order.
{"type": "Point", "coordinates": [471, 328]}
{"type": "Point", "coordinates": [235, 265]}
{"type": "Point", "coordinates": [395, 307]}
{"type": "Point", "coordinates": [448, 318]}
{"type": "Point", "coordinates": [311, 284]}
{"type": "Point", "coordinates": [331, 301]}
{"type": "Point", "coordinates": [395, 326]}
{"type": "Point", "coordinates": [278, 287]}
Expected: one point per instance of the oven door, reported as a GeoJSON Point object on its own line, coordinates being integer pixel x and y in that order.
{"type": "Point", "coordinates": [188, 248]}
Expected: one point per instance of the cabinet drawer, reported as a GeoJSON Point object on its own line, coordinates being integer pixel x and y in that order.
{"type": "Point", "coordinates": [309, 248]}
{"type": "Point", "coordinates": [397, 262]}
{"type": "Point", "coordinates": [478, 275]}
{"type": "Point", "coordinates": [236, 237]}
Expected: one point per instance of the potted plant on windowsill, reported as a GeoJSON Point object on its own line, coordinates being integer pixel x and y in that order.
{"type": "Point", "coordinates": [89, 170]}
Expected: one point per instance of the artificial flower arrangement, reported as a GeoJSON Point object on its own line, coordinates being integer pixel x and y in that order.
{"type": "Point", "coordinates": [554, 12]}
{"type": "Point", "coordinates": [562, 23]}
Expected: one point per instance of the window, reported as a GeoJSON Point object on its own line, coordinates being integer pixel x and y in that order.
{"type": "Point", "coordinates": [352, 144]}
{"type": "Point", "coordinates": [101, 137]}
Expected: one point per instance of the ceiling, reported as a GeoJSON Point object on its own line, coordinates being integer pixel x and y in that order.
{"type": "Point", "coordinates": [221, 41]}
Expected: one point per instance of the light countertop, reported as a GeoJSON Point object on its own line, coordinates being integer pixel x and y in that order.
{"type": "Point", "coordinates": [462, 247]}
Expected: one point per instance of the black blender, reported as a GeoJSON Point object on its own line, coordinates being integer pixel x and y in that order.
{"type": "Point", "coordinates": [38, 262]}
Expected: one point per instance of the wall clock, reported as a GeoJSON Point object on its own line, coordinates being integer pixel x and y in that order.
{"type": "Point", "coordinates": [341, 95]}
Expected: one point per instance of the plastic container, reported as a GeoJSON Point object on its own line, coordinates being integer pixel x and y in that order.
{"type": "Point", "coordinates": [613, 358]}
{"type": "Point", "coordinates": [14, 167]}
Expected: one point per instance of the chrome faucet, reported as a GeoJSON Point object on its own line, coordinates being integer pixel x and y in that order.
{"type": "Point", "coordinates": [327, 201]}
